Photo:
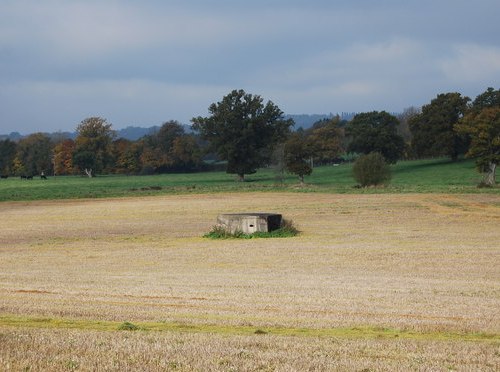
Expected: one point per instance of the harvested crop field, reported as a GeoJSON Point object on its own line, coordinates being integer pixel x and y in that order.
{"type": "Point", "coordinates": [397, 281]}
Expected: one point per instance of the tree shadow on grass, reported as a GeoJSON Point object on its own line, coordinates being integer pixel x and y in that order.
{"type": "Point", "coordinates": [411, 167]}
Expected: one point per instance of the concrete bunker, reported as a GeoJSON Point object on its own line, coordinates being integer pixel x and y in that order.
{"type": "Point", "coordinates": [249, 223]}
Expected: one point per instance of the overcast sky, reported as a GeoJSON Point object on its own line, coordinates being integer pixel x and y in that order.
{"type": "Point", "coordinates": [145, 62]}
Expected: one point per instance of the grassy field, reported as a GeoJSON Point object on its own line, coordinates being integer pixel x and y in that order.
{"type": "Point", "coordinates": [373, 282]}
{"type": "Point", "coordinates": [421, 176]}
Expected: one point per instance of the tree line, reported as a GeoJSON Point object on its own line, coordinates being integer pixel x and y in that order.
{"type": "Point", "coordinates": [246, 133]}
{"type": "Point", "coordinates": [96, 150]}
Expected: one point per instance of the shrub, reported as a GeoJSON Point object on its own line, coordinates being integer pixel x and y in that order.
{"type": "Point", "coordinates": [127, 326]}
{"type": "Point", "coordinates": [219, 232]}
{"type": "Point", "coordinates": [371, 169]}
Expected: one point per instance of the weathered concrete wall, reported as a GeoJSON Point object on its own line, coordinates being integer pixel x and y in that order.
{"type": "Point", "coordinates": [249, 223]}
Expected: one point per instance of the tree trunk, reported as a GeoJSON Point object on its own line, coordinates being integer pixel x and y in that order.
{"type": "Point", "coordinates": [301, 178]}
{"type": "Point", "coordinates": [88, 172]}
{"type": "Point", "coordinates": [489, 177]}
{"type": "Point", "coordinates": [241, 178]}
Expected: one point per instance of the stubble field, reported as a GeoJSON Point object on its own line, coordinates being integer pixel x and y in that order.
{"type": "Point", "coordinates": [373, 282]}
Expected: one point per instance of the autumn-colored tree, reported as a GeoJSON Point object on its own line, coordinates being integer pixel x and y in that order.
{"type": "Point", "coordinates": [185, 153]}
{"type": "Point", "coordinates": [126, 155]}
{"type": "Point", "coordinates": [63, 157]}
{"type": "Point", "coordinates": [150, 159]}
{"type": "Point", "coordinates": [18, 168]}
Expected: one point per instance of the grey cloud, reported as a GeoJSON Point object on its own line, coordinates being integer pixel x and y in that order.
{"type": "Point", "coordinates": [150, 61]}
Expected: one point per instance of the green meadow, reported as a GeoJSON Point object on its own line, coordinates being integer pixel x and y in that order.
{"type": "Point", "coordinates": [419, 176]}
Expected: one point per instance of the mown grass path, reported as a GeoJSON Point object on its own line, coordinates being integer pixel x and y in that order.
{"type": "Point", "coordinates": [365, 332]}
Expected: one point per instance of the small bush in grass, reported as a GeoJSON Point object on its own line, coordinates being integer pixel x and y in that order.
{"type": "Point", "coordinates": [371, 170]}
{"type": "Point", "coordinates": [286, 230]}
{"type": "Point", "coordinates": [127, 326]}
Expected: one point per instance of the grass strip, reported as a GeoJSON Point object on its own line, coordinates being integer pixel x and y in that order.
{"type": "Point", "coordinates": [412, 176]}
{"type": "Point", "coordinates": [363, 332]}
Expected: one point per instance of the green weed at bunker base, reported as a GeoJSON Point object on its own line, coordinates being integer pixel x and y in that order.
{"type": "Point", "coordinates": [286, 230]}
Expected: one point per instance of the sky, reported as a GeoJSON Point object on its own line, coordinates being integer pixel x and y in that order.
{"type": "Point", "coordinates": [142, 63]}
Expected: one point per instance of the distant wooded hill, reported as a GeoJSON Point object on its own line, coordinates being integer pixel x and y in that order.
{"type": "Point", "coordinates": [133, 133]}
{"type": "Point", "coordinates": [130, 133]}
{"type": "Point", "coordinates": [305, 121]}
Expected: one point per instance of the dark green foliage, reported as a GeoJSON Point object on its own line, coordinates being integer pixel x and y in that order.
{"type": "Point", "coordinates": [85, 160]}
{"type": "Point", "coordinates": [376, 132]}
{"type": "Point", "coordinates": [433, 129]}
{"type": "Point", "coordinates": [34, 152]}
{"type": "Point", "coordinates": [93, 151]}
{"type": "Point", "coordinates": [298, 153]}
{"type": "Point", "coordinates": [243, 131]}
{"type": "Point", "coordinates": [7, 155]}
{"type": "Point", "coordinates": [371, 170]}
{"type": "Point", "coordinates": [482, 124]}
{"type": "Point", "coordinates": [167, 134]}
{"type": "Point", "coordinates": [326, 139]}
{"type": "Point", "coordinates": [490, 98]}
{"type": "Point", "coordinates": [484, 130]}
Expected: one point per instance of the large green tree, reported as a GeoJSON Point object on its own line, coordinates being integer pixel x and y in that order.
{"type": "Point", "coordinates": [35, 153]}
{"type": "Point", "coordinates": [433, 131]}
{"type": "Point", "coordinates": [375, 132]}
{"type": "Point", "coordinates": [243, 130]}
{"type": "Point", "coordinates": [93, 145]}
{"type": "Point", "coordinates": [327, 140]}
{"type": "Point", "coordinates": [298, 152]}
{"type": "Point", "coordinates": [482, 124]}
